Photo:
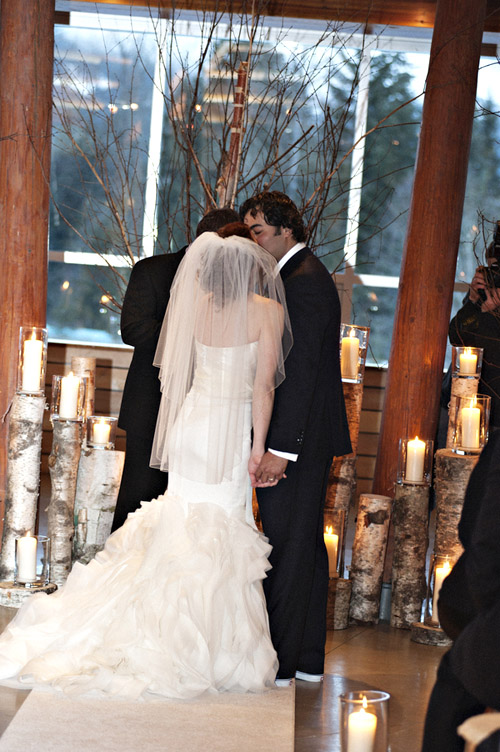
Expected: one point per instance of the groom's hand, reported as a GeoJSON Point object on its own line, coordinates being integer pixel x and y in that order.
{"type": "Point", "coordinates": [270, 470]}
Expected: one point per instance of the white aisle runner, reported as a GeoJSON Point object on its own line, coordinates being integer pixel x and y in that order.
{"type": "Point", "coordinates": [49, 722]}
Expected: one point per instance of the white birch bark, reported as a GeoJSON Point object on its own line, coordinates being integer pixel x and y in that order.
{"type": "Point", "coordinates": [337, 610]}
{"type": "Point", "coordinates": [411, 539]}
{"type": "Point", "coordinates": [63, 468]}
{"type": "Point", "coordinates": [23, 475]}
{"type": "Point", "coordinates": [98, 483]}
{"type": "Point", "coordinates": [368, 554]}
{"type": "Point", "coordinates": [452, 473]}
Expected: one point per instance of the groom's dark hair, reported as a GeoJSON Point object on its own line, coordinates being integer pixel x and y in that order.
{"type": "Point", "coordinates": [215, 219]}
{"type": "Point", "coordinates": [278, 210]}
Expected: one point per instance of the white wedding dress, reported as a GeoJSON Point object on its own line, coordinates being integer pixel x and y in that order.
{"type": "Point", "coordinates": [174, 604]}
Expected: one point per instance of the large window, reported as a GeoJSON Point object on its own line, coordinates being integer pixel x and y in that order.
{"type": "Point", "coordinates": [142, 119]}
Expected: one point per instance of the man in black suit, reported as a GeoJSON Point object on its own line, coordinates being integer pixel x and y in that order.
{"type": "Point", "coordinates": [142, 315]}
{"type": "Point", "coordinates": [308, 427]}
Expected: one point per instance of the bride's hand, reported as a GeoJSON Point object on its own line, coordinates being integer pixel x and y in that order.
{"type": "Point", "coordinates": [253, 465]}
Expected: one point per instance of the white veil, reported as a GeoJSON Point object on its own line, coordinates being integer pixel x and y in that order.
{"type": "Point", "coordinates": [226, 293]}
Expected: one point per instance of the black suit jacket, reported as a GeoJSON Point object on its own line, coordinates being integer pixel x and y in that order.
{"type": "Point", "coordinates": [142, 315]}
{"type": "Point", "coordinates": [309, 407]}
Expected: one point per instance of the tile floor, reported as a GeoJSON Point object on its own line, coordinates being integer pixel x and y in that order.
{"type": "Point", "coordinates": [356, 658]}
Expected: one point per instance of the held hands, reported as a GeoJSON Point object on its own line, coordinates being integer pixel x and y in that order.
{"type": "Point", "coordinates": [266, 469]}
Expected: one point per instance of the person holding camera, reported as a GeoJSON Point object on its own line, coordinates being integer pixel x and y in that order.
{"type": "Point", "coordinates": [477, 324]}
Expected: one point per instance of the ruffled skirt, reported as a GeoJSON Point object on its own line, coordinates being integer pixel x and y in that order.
{"type": "Point", "coordinates": [172, 606]}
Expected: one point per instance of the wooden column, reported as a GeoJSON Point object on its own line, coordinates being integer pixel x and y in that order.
{"type": "Point", "coordinates": [429, 259]}
{"type": "Point", "coordinates": [26, 63]}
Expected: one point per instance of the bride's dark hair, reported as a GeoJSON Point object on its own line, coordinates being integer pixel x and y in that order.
{"type": "Point", "coordinates": [235, 228]}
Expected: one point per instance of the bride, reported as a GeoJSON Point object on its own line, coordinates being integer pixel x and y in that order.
{"type": "Point", "coordinates": [174, 604]}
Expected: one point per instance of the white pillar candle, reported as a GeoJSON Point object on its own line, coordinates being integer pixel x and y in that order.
{"type": "Point", "coordinates": [32, 364]}
{"type": "Point", "coordinates": [468, 362]}
{"type": "Point", "coordinates": [415, 458]}
{"type": "Point", "coordinates": [26, 558]}
{"type": "Point", "coordinates": [332, 546]}
{"type": "Point", "coordinates": [349, 356]}
{"type": "Point", "coordinates": [471, 421]}
{"type": "Point", "coordinates": [440, 573]}
{"type": "Point", "coordinates": [100, 432]}
{"type": "Point", "coordinates": [68, 403]}
{"type": "Point", "coordinates": [362, 727]}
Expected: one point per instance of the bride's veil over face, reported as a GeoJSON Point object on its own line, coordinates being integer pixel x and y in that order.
{"type": "Point", "coordinates": [227, 294]}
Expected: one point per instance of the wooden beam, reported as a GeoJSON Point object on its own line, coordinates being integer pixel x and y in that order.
{"type": "Point", "coordinates": [26, 63]}
{"type": "Point", "coordinates": [416, 13]}
{"type": "Point", "coordinates": [430, 254]}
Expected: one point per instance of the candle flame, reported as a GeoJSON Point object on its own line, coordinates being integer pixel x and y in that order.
{"type": "Point", "coordinates": [473, 401]}
{"type": "Point", "coordinates": [33, 335]}
{"type": "Point", "coordinates": [468, 351]}
{"type": "Point", "coordinates": [329, 529]}
{"type": "Point", "coordinates": [352, 333]}
{"type": "Point", "coordinates": [365, 702]}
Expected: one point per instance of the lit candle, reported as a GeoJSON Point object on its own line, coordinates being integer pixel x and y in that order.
{"type": "Point", "coordinates": [440, 573]}
{"type": "Point", "coordinates": [26, 558]}
{"type": "Point", "coordinates": [332, 546]}
{"type": "Point", "coordinates": [471, 420]}
{"type": "Point", "coordinates": [349, 356]}
{"type": "Point", "coordinates": [415, 457]}
{"type": "Point", "coordinates": [32, 364]}
{"type": "Point", "coordinates": [68, 404]}
{"type": "Point", "coordinates": [468, 361]}
{"type": "Point", "coordinates": [361, 730]}
{"type": "Point", "coordinates": [100, 432]}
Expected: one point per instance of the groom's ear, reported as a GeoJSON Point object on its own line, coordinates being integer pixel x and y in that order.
{"type": "Point", "coordinates": [286, 231]}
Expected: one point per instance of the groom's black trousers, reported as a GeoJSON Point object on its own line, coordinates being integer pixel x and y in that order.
{"type": "Point", "coordinates": [296, 588]}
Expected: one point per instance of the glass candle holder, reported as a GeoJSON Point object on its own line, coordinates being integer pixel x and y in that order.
{"type": "Point", "coordinates": [334, 538]}
{"type": "Point", "coordinates": [101, 432]}
{"type": "Point", "coordinates": [466, 361]}
{"type": "Point", "coordinates": [472, 417]}
{"type": "Point", "coordinates": [415, 461]}
{"type": "Point", "coordinates": [353, 348]}
{"type": "Point", "coordinates": [364, 719]}
{"type": "Point", "coordinates": [68, 398]}
{"type": "Point", "coordinates": [440, 567]}
{"type": "Point", "coordinates": [32, 361]}
{"type": "Point", "coordinates": [32, 561]}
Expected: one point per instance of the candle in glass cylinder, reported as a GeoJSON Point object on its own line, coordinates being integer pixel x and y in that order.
{"type": "Point", "coordinates": [332, 546]}
{"type": "Point", "coordinates": [26, 558]}
{"type": "Point", "coordinates": [440, 573]}
{"type": "Point", "coordinates": [68, 404]}
{"type": "Point", "coordinates": [100, 432]}
{"type": "Point", "coordinates": [362, 727]}
{"type": "Point", "coordinates": [415, 457]}
{"type": "Point", "coordinates": [349, 356]}
{"type": "Point", "coordinates": [468, 361]}
{"type": "Point", "coordinates": [471, 421]}
{"type": "Point", "coordinates": [32, 364]}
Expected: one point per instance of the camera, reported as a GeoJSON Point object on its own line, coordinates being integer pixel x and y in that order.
{"type": "Point", "coordinates": [492, 273]}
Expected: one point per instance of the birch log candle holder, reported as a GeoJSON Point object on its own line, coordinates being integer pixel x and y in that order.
{"type": "Point", "coordinates": [466, 363]}
{"type": "Point", "coordinates": [86, 368]}
{"type": "Point", "coordinates": [410, 519]}
{"type": "Point", "coordinates": [451, 476]}
{"type": "Point", "coordinates": [98, 483]}
{"type": "Point", "coordinates": [353, 349]}
{"type": "Point", "coordinates": [368, 554]}
{"type": "Point", "coordinates": [67, 414]}
{"type": "Point", "coordinates": [31, 571]}
{"type": "Point", "coordinates": [24, 444]}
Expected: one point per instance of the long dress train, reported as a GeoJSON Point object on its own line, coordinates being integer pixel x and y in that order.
{"type": "Point", "coordinates": [173, 605]}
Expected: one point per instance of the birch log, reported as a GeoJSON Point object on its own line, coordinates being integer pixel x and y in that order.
{"type": "Point", "coordinates": [63, 468]}
{"type": "Point", "coordinates": [85, 367]}
{"type": "Point", "coordinates": [452, 472]}
{"type": "Point", "coordinates": [368, 553]}
{"type": "Point", "coordinates": [353, 396]}
{"type": "Point", "coordinates": [340, 493]}
{"type": "Point", "coordinates": [23, 475]}
{"type": "Point", "coordinates": [339, 597]}
{"type": "Point", "coordinates": [98, 483]}
{"type": "Point", "coordinates": [460, 387]}
{"type": "Point", "coordinates": [410, 518]}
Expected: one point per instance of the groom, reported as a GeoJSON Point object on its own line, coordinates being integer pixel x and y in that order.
{"type": "Point", "coordinates": [308, 428]}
